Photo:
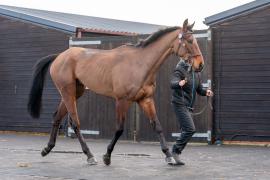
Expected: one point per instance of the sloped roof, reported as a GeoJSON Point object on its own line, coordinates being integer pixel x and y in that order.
{"type": "Point", "coordinates": [240, 10]}
{"type": "Point", "coordinates": [70, 22]}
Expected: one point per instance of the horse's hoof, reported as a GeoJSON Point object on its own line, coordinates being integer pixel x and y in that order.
{"type": "Point", "coordinates": [92, 161]}
{"type": "Point", "coordinates": [107, 159]}
{"type": "Point", "coordinates": [170, 161]}
{"type": "Point", "coordinates": [44, 152]}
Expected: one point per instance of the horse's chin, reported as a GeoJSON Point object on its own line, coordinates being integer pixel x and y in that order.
{"type": "Point", "coordinates": [199, 69]}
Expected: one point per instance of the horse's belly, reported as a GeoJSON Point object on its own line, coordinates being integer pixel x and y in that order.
{"type": "Point", "coordinates": [96, 85]}
{"type": "Point", "coordinates": [95, 77]}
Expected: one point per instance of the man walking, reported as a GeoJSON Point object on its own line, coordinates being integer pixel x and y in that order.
{"type": "Point", "coordinates": [185, 84]}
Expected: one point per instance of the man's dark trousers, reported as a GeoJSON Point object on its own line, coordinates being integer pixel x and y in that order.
{"type": "Point", "coordinates": [183, 115]}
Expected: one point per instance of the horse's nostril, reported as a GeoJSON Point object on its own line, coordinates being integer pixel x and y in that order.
{"type": "Point", "coordinates": [201, 66]}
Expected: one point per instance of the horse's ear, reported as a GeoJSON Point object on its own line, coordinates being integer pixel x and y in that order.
{"type": "Point", "coordinates": [190, 27]}
{"type": "Point", "coordinates": [185, 25]}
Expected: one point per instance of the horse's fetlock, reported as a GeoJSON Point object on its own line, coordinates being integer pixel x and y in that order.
{"type": "Point", "coordinates": [85, 151]}
{"type": "Point", "coordinates": [165, 150]}
{"type": "Point", "coordinates": [50, 146]}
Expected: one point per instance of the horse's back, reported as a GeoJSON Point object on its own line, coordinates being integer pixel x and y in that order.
{"type": "Point", "coordinates": [99, 70]}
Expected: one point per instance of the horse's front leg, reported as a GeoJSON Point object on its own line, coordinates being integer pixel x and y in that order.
{"type": "Point", "coordinates": [121, 110]}
{"type": "Point", "coordinates": [148, 106]}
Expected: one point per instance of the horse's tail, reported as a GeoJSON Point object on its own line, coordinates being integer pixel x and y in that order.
{"type": "Point", "coordinates": [39, 73]}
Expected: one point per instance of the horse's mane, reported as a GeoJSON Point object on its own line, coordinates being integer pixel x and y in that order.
{"type": "Point", "coordinates": [153, 37]}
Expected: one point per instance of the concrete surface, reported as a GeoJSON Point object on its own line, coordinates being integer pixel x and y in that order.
{"type": "Point", "coordinates": [20, 160]}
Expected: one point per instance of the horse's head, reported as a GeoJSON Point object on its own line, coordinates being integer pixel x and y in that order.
{"type": "Point", "coordinates": [187, 48]}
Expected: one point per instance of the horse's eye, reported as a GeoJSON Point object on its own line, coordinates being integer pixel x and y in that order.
{"type": "Point", "coordinates": [190, 41]}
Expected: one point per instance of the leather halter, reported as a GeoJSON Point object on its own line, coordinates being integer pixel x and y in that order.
{"type": "Point", "coordinates": [190, 57]}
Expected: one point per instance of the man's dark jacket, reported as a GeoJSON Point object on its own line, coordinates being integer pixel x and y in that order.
{"type": "Point", "coordinates": [189, 90]}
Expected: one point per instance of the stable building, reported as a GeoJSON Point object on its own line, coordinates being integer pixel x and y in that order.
{"type": "Point", "coordinates": [241, 72]}
{"type": "Point", "coordinates": [26, 35]}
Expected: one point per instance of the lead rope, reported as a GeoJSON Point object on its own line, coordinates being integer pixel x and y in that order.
{"type": "Point", "coordinates": [204, 108]}
{"type": "Point", "coordinates": [193, 89]}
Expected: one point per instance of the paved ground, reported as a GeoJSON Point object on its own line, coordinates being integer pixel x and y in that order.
{"type": "Point", "coordinates": [20, 160]}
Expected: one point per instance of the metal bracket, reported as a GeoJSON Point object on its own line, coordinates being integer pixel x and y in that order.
{"type": "Point", "coordinates": [89, 132]}
{"type": "Point", "coordinates": [81, 43]}
{"type": "Point", "coordinates": [207, 85]}
{"type": "Point", "coordinates": [209, 35]}
{"type": "Point", "coordinates": [207, 135]}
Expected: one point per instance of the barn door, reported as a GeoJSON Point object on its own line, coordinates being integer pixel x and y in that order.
{"type": "Point", "coordinates": [242, 79]}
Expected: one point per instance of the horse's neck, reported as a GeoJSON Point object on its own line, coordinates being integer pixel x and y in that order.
{"type": "Point", "coordinates": [162, 48]}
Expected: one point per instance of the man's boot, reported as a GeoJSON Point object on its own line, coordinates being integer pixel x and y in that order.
{"type": "Point", "coordinates": [176, 157]}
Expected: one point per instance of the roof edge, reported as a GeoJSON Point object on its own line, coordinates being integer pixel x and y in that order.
{"type": "Point", "coordinates": [103, 31]}
{"type": "Point", "coordinates": [16, 13]}
{"type": "Point", "coordinates": [37, 20]}
{"type": "Point", "coordinates": [237, 11]}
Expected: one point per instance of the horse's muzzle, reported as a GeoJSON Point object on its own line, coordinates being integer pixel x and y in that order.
{"type": "Point", "coordinates": [201, 67]}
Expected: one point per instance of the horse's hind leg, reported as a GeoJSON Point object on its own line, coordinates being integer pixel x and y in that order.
{"type": "Point", "coordinates": [57, 118]}
{"type": "Point", "coordinates": [121, 110]}
{"type": "Point", "coordinates": [69, 96]}
{"type": "Point", "coordinates": [148, 106]}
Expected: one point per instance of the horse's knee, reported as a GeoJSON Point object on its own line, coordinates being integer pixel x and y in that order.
{"type": "Point", "coordinates": [156, 127]}
{"type": "Point", "coordinates": [74, 124]}
{"type": "Point", "coordinates": [159, 130]}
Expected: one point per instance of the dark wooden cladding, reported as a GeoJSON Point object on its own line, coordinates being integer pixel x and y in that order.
{"type": "Point", "coordinates": [164, 108]}
{"type": "Point", "coordinates": [21, 45]}
{"type": "Point", "coordinates": [242, 77]}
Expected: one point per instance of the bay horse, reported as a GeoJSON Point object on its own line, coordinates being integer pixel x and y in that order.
{"type": "Point", "coordinates": [126, 73]}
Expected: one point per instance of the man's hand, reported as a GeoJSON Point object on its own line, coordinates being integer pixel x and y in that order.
{"type": "Point", "coordinates": [209, 93]}
{"type": "Point", "coordinates": [182, 82]}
